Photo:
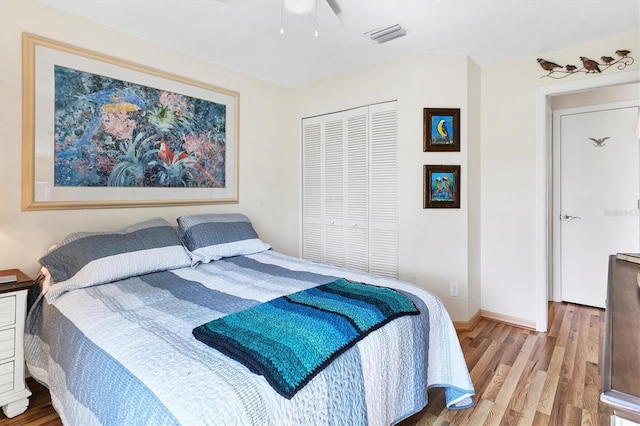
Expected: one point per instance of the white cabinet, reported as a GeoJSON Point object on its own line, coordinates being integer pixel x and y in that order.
{"type": "Point", "coordinates": [14, 393]}
{"type": "Point", "coordinates": [349, 201]}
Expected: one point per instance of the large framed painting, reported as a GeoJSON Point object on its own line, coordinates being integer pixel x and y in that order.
{"type": "Point", "coordinates": [441, 130]}
{"type": "Point", "coordinates": [103, 132]}
{"type": "Point", "coordinates": [441, 186]}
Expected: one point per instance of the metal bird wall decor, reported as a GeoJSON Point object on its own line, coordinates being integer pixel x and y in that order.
{"type": "Point", "coordinates": [599, 142]}
{"type": "Point", "coordinates": [589, 66]}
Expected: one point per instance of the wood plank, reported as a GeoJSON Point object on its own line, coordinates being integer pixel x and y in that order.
{"type": "Point", "coordinates": [509, 418]}
{"type": "Point", "coordinates": [548, 396]}
{"type": "Point", "coordinates": [513, 345]}
{"type": "Point", "coordinates": [543, 352]}
{"type": "Point", "coordinates": [532, 396]}
{"type": "Point", "coordinates": [591, 394]}
{"type": "Point", "coordinates": [541, 419]}
{"type": "Point", "coordinates": [556, 317]}
{"type": "Point", "coordinates": [508, 388]}
{"type": "Point", "coordinates": [576, 386]}
{"type": "Point", "coordinates": [589, 418]}
{"type": "Point", "coordinates": [480, 415]}
{"type": "Point", "coordinates": [518, 400]}
{"type": "Point", "coordinates": [496, 383]}
{"type": "Point", "coordinates": [495, 415]}
{"type": "Point", "coordinates": [483, 372]}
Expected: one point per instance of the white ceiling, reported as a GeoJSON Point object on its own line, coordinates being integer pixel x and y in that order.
{"type": "Point", "coordinates": [244, 35]}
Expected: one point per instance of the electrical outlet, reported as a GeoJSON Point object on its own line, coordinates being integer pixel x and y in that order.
{"type": "Point", "coordinates": [453, 290]}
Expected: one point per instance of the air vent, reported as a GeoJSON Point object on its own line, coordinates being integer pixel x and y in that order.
{"type": "Point", "coordinates": [384, 35]}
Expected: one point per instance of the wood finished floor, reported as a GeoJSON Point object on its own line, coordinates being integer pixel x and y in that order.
{"type": "Point", "coordinates": [521, 377]}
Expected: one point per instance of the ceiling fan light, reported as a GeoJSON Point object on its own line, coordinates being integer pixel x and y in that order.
{"type": "Point", "coordinates": [299, 7]}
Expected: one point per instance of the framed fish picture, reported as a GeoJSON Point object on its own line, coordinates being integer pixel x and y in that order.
{"type": "Point", "coordinates": [104, 132]}
{"type": "Point", "coordinates": [441, 130]}
{"type": "Point", "coordinates": [441, 186]}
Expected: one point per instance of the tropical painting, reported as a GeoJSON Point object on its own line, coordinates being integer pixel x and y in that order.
{"type": "Point", "coordinates": [441, 186]}
{"type": "Point", "coordinates": [442, 129]}
{"type": "Point", "coordinates": [114, 133]}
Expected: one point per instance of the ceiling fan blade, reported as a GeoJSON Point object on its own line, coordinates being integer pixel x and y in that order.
{"type": "Point", "coordinates": [327, 15]}
{"type": "Point", "coordinates": [333, 4]}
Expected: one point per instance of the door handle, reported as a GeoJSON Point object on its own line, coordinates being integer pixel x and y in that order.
{"type": "Point", "coordinates": [569, 217]}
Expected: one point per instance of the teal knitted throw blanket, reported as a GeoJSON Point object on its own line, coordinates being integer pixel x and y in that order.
{"type": "Point", "coordinates": [289, 340]}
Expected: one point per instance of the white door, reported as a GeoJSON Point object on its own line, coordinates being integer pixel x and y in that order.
{"type": "Point", "coordinates": [335, 182]}
{"type": "Point", "coordinates": [600, 187]}
{"type": "Point", "coordinates": [350, 189]}
{"type": "Point", "coordinates": [383, 191]}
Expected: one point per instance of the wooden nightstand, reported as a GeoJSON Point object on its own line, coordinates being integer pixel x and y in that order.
{"type": "Point", "coordinates": [14, 393]}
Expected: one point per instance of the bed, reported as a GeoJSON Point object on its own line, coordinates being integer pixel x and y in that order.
{"type": "Point", "coordinates": [113, 333]}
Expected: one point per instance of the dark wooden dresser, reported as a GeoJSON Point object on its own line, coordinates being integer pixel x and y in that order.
{"type": "Point", "coordinates": [621, 355]}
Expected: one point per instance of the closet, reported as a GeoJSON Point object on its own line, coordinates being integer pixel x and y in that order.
{"type": "Point", "coordinates": [349, 200]}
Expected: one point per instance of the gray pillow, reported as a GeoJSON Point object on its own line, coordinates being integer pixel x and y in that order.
{"type": "Point", "coordinates": [215, 236]}
{"type": "Point", "coordinates": [90, 258]}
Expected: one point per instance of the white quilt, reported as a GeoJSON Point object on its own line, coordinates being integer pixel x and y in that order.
{"type": "Point", "coordinates": [123, 352]}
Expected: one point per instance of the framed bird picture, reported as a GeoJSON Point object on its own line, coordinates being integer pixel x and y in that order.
{"type": "Point", "coordinates": [441, 187]}
{"type": "Point", "coordinates": [441, 130]}
{"type": "Point", "coordinates": [104, 132]}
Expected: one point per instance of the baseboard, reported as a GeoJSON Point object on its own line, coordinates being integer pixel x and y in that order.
{"type": "Point", "coordinates": [468, 325]}
{"type": "Point", "coordinates": [462, 326]}
{"type": "Point", "coordinates": [518, 322]}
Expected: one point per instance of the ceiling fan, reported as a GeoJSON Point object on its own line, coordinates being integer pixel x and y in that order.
{"type": "Point", "coordinates": [300, 7]}
{"type": "Point", "coordinates": [326, 11]}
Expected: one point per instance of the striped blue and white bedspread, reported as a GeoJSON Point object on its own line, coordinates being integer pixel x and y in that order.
{"type": "Point", "coordinates": [123, 353]}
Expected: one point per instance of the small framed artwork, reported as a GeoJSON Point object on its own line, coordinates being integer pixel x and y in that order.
{"type": "Point", "coordinates": [441, 130]}
{"type": "Point", "coordinates": [441, 187]}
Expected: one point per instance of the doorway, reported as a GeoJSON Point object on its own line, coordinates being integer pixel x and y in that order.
{"type": "Point", "coordinates": [596, 187]}
{"type": "Point", "coordinates": [543, 165]}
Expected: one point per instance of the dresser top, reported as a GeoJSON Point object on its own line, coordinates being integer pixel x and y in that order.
{"type": "Point", "coordinates": [621, 357]}
{"type": "Point", "coordinates": [23, 282]}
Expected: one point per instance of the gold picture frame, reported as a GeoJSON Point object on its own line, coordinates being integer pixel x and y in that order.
{"type": "Point", "coordinates": [101, 132]}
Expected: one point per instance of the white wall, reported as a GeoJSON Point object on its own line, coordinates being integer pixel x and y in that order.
{"type": "Point", "coordinates": [433, 243]}
{"type": "Point", "coordinates": [509, 278]}
{"type": "Point", "coordinates": [474, 183]}
{"type": "Point", "coordinates": [267, 184]}
{"type": "Point", "coordinates": [623, 92]}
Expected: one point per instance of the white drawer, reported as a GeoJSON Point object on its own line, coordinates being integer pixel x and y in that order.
{"type": "Point", "coordinates": [6, 377]}
{"type": "Point", "coordinates": [7, 343]}
{"type": "Point", "coordinates": [7, 310]}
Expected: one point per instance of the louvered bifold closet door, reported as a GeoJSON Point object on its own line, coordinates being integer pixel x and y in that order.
{"type": "Point", "coordinates": [357, 190]}
{"type": "Point", "coordinates": [383, 178]}
{"type": "Point", "coordinates": [334, 194]}
{"type": "Point", "coordinates": [312, 190]}
{"type": "Point", "coordinates": [350, 189]}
